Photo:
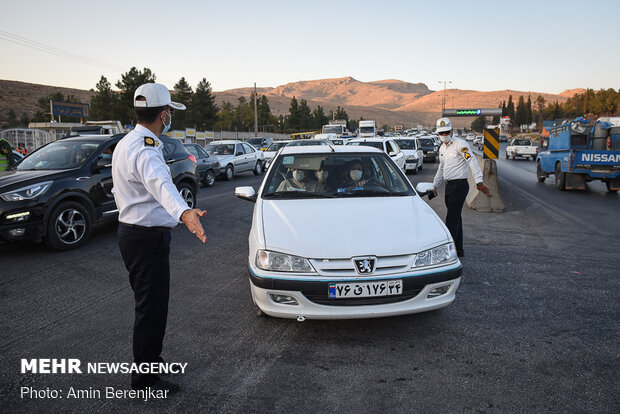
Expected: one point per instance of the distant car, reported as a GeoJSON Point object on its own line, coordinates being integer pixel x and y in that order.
{"type": "Point", "coordinates": [208, 166]}
{"type": "Point", "coordinates": [236, 157]}
{"type": "Point", "coordinates": [60, 190]}
{"type": "Point", "coordinates": [503, 138]}
{"type": "Point", "coordinates": [479, 141]}
{"type": "Point", "coordinates": [323, 253]}
{"type": "Point", "coordinates": [260, 143]}
{"type": "Point", "coordinates": [387, 145]}
{"type": "Point", "coordinates": [308, 142]}
{"type": "Point", "coordinates": [272, 150]}
{"type": "Point", "coordinates": [414, 156]}
{"type": "Point", "coordinates": [470, 137]}
{"type": "Point", "coordinates": [429, 149]}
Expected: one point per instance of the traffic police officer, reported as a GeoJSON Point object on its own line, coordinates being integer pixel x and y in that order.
{"type": "Point", "coordinates": [149, 206]}
{"type": "Point", "coordinates": [455, 158]}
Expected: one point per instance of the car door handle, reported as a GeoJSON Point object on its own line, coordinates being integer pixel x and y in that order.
{"type": "Point", "coordinates": [82, 178]}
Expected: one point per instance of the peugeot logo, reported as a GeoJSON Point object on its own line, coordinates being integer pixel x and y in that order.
{"type": "Point", "coordinates": [365, 265]}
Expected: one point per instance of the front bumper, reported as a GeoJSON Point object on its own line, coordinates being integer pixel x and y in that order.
{"type": "Point", "coordinates": [314, 303]}
{"type": "Point", "coordinates": [31, 227]}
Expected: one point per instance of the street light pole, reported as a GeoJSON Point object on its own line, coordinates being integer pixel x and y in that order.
{"type": "Point", "coordinates": [443, 100]}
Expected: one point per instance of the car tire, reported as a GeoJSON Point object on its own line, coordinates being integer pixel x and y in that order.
{"type": "Point", "coordinates": [507, 155]}
{"type": "Point", "coordinates": [560, 178]}
{"type": "Point", "coordinates": [68, 226]}
{"type": "Point", "coordinates": [188, 194]}
{"type": "Point", "coordinates": [608, 184]}
{"type": "Point", "coordinates": [209, 179]}
{"type": "Point", "coordinates": [229, 174]}
{"type": "Point", "coordinates": [540, 174]}
{"type": "Point", "coordinates": [258, 168]}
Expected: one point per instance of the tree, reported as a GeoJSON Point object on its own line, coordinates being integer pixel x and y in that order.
{"type": "Point", "coordinates": [504, 108]}
{"type": "Point", "coordinates": [265, 118]}
{"type": "Point", "coordinates": [510, 109]}
{"type": "Point", "coordinates": [478, 124]}
{"type": "Point", "coordinates": [521, 113]}
{"type": "Point", "coordinates": [183, 93]}
{"type": "Point", "coordinates": [225, 116]}
{"type": "Point", "coordinates": [528, 113]}
{"type": "Point", "coordinates": [319, 118]}
{"type": "Point", "coordinates": [204, 110]}
{"type": "Point", "coordinates": [127, 85]}
{"type": "Point", "coordinates": [305, 115]}
{"type": "Point", "coordinates": [104, 104]}
{"type": "Point", "coordinates": [293, 120]}
{"type": "Point", "coordinates": [11, 119]}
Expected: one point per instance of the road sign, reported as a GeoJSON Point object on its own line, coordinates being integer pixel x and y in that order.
{"type": "Point", "coordinates": [491, 143]}
{"type": "Point", "coordinates": [472, 112]}
{"type": "Point", "coordinates": [75, 109]}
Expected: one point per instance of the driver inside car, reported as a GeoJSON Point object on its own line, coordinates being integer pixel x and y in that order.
{"type": "Point", "coordinates": [354, 175]}
{"type": "Point", "coordinates": [300, 180]}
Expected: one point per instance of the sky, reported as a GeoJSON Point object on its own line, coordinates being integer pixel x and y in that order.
{"type": "Point", "coordinates": [542, 46]}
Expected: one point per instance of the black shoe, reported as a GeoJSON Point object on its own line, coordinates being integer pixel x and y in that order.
{"type": "Point", "coordinates": [460, 253]}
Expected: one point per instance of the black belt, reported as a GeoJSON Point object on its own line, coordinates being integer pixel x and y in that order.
{"type": "Point", "coordinates": [162, 229]}
{"type": "Point", "coordinates": [456, 181]}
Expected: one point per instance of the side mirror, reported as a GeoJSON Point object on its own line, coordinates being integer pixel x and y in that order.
{"type": "Point", "coordinates": [246, 193]}
{"type": "Point", "coordinates": [393, 153]}
{"type": "Point", "coordinates": [102, 163]}
{"type": "Point", "coordinates": [424, 189]}
{"type": "Point", "coordinates": [239, 153]}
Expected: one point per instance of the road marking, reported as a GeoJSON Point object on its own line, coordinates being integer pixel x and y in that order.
{"type": "Point", "coordinates": [550, 209]}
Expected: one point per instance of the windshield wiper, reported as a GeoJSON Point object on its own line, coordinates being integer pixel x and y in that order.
{"type": "Point", "coordinates": [297, 194]}
{"type": "Point", "coordinates": [372, 193]}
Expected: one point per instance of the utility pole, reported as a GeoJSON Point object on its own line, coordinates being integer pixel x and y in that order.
{"type": "Point", "coordinates": [255, 113]}
{"type": "Point", "coordinates": [443, 100]}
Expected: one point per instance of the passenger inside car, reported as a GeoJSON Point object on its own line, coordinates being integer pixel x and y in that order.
{"type": "Point", "coordinates": [300, 179]}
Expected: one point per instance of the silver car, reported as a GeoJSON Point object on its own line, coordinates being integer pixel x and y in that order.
{"type": "Point", "coordinates": [236, 157]}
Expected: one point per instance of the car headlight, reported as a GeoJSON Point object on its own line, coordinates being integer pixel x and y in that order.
{"type": "Point", "coordinates": [437, 255]}
{"type": "Point", "coordinates": [27, 193]}
{"type": "Point", "coordinates": [280, 262]}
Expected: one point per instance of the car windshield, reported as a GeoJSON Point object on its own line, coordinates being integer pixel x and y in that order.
{"type": "Point", "coordinates": [332, 129]}
{"type": "Point", "coordinates": [220, 149]}
{"type": "Point", "coordinates": [367, 130]}
{"type": "Point", "coordinates": [255, 142]}
{"type": "Point", "coordinates": [306, 142]}
{"type": "Point", "coordinates": [406, 144]}
{"type": "Point", "coordinates": [375, 144]}
{"type": "Point", "coordinates": [59, 155]}
{"type": "Point", "coordinates": [523, 142]}
{"type": "Point", "coordinates": [426, 142]}
{"type": "Point", "coordinates": [335, 175]}
{"type": "Point", "coordinates": [276, 146]}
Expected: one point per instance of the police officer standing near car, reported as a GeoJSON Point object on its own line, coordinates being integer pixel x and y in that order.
{"type": "Point", "coordinates": [149, 207]}
{"type": "Point", "coordinates": [455, 159]}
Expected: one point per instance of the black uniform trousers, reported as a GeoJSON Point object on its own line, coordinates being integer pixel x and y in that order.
{"type": "Point", "coordinates": [146, 252]}
{"type": "Point", "coordinates": [456, 192]}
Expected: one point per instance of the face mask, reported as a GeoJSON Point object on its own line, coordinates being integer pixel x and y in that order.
{"type": "Point", "coordinates": [106, 156]}
{"type": "Point", "coordinates": [167, 126]}
{"type": "Point", "coordinates": [298, 175]}
{"type": "Point", "coordinates": [356, 175]}
{"type": "Point", "coordinates": [445, 138]}
{"type": "Point", "coordinates": [322, 175]}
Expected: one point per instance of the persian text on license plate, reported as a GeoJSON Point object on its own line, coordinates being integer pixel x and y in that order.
{"type": "Point", "coordinates": [365, 289]}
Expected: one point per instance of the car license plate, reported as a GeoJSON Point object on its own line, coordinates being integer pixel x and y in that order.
{"type": "Point", "coordinates": [365, 289]}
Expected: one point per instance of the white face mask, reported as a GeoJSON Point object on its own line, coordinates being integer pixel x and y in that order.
{"type": "Point", "coordinates": [167, 126]}
{"type": "Point", "coordinates": [322, 175]}
{"type": "Point", "coordinates": [299, 175]}
{"type": "Point", "coordinates": [356, 175]}
{"type": "Point", "coordinates": [445, 138]}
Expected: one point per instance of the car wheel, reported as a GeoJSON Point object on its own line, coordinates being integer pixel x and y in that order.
{"type": "Point", "coordinates": [230, 173]}
{"type": "Point", "coordinates": [611, 190]}
{"type": "Point", "coordinates": [188, 194]}
{"type": "Point", "coordinates": [209, 179]}
{"type": "Point", "coordinates": [507, 155]}
{"type": "Point", "coordinates": [258, 168]}
{"type": "Point", "coordinates": [68, 226]}
{"type": "Point", "coordinates": [540, 174]}
{"type": "Point", "coordinates": [560, 178]}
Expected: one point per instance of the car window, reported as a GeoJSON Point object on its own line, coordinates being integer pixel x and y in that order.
{"type": "Point", "coordinates": [192, 150]}
{"type": "Point", "coordinates": [247, 148]}
{"type": "Point", "coordinates": [59, 155]}
{"type": "Point", "coordinates": [378, 145]}
{"type": "Point", "coordinates": [220, 149]}
{"type": "Point", "coordinates": [406, 144]}
{"type": "Point", "coordinates": [239, 149]}
{"type": "Point", "coordinates": [202, 152]}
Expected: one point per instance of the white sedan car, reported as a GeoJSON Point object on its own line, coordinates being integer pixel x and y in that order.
{"type": "Point", "coordinates": [414, 156]}
{"type": "Point", "coordinates": [271, 151]}
{"type": "Point", "coordinates": [387, 145]}
{"type": "Point", "coordinates": [358, 243]}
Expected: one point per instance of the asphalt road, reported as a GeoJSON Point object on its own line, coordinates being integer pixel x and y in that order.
{"type": "Point", "coordinates": [534, 327]}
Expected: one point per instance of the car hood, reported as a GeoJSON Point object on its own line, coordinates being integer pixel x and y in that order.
{"type": "Point", "coordinates": [16, 179]}
{"type": "Point", "coordinates": [343, 228]}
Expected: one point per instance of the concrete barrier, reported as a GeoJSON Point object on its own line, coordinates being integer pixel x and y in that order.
{"type": "Point", "coordinates": [477, 200]}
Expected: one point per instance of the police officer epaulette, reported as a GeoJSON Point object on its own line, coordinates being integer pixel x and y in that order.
{"type": "Point", "coordinates": [150, 142]}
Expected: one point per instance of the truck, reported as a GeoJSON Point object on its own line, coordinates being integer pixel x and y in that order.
{"type": "Point", "coordinates": [521, 147]}
{"type": "Point", "coordinates": [338, 127]}
{"type": "Point", "coordinates": [577, 152]}
{"type": "Point", "coordinates": [367, 129]}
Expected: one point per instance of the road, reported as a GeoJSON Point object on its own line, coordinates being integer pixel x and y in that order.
{"type": "Point", "coordinates": [534, 326]}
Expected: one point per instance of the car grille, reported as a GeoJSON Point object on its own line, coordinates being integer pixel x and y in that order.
{"type": "Point", "coordinates": [344, 267]}
{"type": "Point", "coordinates": [323, 299]}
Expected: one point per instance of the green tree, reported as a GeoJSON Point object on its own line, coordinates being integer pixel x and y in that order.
{"type": "Point", "coordinates": [540, 106]}
{"type": "Point", "coordinates": [265, 118]}
{"type": "Point", "coordinates": [319, 118]}
{"type": "Point", "coordinates": [293, 121]}
{"type": "Point", "coordinates": [183, 93]}
{"type": "Point", "coordinates": [528, 112]}
{"type": "Point", "coordinates": [104, 103]}
{"type": "Point", "coordinates": [521, 113]}
{"type": "Point", "coordinates": [225, 117]}
{"type": "Point", "coordinates": [11, 119]}
{"type": "Point", "coordinates": [478, 124]}
{"type": "Point", "coordinates": [204, 110]}
{"type": "Point", "coordinates": [305, 115]}
{"type": "Point", "coordinates": [127, 85]}
{"type": "Point", "coordinates": [510, 109]}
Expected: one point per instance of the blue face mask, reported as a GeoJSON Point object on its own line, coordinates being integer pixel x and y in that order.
{"type": "Point", "coordinates": [167, 126]}
{"type": "Point", "coordinates": [106, 156]}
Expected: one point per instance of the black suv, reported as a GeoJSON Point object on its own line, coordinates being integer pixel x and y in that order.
{"type": "Point", "coordinates": [57, 192]}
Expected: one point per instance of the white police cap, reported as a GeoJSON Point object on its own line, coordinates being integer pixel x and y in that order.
{"type": "Point", "coordinates": [154, 94]}
{"type": "Point", "coordinates": [443, 124]}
